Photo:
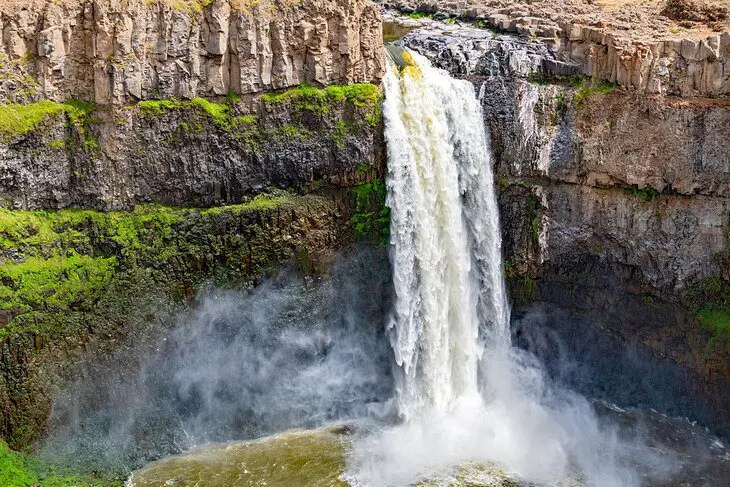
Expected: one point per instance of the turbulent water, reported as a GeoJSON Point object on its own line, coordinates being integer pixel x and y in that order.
{"type": "Point", "coordinates": [445, 235]}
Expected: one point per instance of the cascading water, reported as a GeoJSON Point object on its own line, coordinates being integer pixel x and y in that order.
{"type": "Point", "coordinates": [445, 233]}
{"type": "Point", "coordinates": [465, 395]}
{"type": "Point", "coordinates": [474, 410]}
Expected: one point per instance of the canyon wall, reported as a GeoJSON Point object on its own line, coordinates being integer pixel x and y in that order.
{"type": "Point", "coordinates": [614, 197]}
{"type": "Point", "coordinates": [185, 146]}
{"type": "Point", "coordinates": [195, 153]}
{"type": "Point", "coordinates": [121, 51]}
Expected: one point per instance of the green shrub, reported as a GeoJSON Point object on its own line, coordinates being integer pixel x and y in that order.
{"type": "Point", "coordinates": [592, 88]}
{"type": "Point", "coordinates": [371, 218]}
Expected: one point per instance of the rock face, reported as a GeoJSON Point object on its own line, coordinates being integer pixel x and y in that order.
{"type": "Point", "coordinates": [178, 153]}
{"type": "Point", "coordinates": [117, 52]}
{"type": "Point", "coordinates": [615, 206]}
{"type": "Point", "coordinates": [604, 47]}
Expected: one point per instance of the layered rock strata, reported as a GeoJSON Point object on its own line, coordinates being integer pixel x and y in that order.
{"type": "Point", "coordinates": [198, 152]}
{"type": "Point", "coordinates": [117, 52]}
{"type": "Point", "coordinates": [614, 205]}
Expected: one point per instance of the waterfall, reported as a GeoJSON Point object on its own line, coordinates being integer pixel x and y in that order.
{"type": "Point", "coordinates": [445, 237]}
{"type": "Point", "coordinates": [464, 394]}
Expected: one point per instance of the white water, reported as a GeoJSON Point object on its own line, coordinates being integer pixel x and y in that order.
{"type": "Point", "coordinates": [445, 234]}
{"type": "Point", "coordinates": [463, 393]}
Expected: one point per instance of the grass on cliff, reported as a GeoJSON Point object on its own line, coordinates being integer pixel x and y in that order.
{"type": "Point", "coordinates": [591, 88]}
{"type": "Point", "coordinates": [21, 470]}
{"type": "Point", "coordinates": [17, 120]}
{"type": "Point", "coordinates": [307, 97]}
{"type": "Point", "coordinates": [710, 298]}
{"type": "Point", "coordinates": [67, 261]}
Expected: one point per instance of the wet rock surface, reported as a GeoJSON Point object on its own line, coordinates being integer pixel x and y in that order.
{"type": "Point", "coordinates": [675, 64]}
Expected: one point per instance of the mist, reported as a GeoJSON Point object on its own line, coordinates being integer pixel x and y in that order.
{"type": "Point", "coordinates": [292, 352]}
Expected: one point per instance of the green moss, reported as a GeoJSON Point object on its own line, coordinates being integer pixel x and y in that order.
{"type": "Point", "coordinates": [232, 97]}
{"type": "Point", "coordinates": [592, 88]}
{"type": "Point", "coordinates": [420, 15]}
{"type": "Point", "coordinates": [710, 299]}
{"type": "Point", "coordinates": [315, 100]}
{"type": "Point", "coordinates": [371, 218]}
{"type": "Point", "coordinates": [78, 111]}
{"type": "Point", "coordinates": [339, 133]}
{"type": "Point", "coordinates": [648, 193]}
{"type": "Point", "coordinates": [58, 144]}
{"type": "Point", "coordinates": [13, 469]}
{"type": "Point", "coordinates": [261, 202]}
{"type": "Point", "coordinates": [158, 107]}
{"type": "Point", "coordinates": [58, 283]}
{"type": "Point", "coordinates": [716, 320]}
{"type": "Point", "coordinates": [242, 126]}
{"type": "Point", "coordinates": [290, 131]}
{"type": "Point", "coordinates": [64, 262]}
{"type": "Point", "coordinates": [219, 112]}
{"type": "Point", "coordinates": [21, 470]}
{"type": "Point", "coordinates": [17, 120]}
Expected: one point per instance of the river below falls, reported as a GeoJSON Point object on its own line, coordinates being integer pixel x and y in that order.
{"type": "Point", "coordinates": [690, 456]}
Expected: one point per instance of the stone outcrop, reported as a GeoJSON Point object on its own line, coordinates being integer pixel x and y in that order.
{"type": "Point", "coordinates": [610, 51]}
{"type": "Point", "coordinates": [177, 153]}
{"type": "Point", "coordinates": [120, 51]}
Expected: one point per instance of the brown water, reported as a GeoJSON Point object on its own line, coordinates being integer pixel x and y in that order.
{"type": "Point", "coordinates": [313, 458]}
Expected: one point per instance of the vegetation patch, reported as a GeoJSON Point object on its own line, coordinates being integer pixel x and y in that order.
{"type": "Point", "coordinates": [590, 89]}
{"type": "Point", "coordinates": [371, 215]}
{"type": "Point", "coordinates": [338, 134]}
{"type": "Point", "coordinates": [17, 120]}
{"type": "Point", "coordinates": [648, 192]}
{"type": "Point", "coordinates": [710, 299]}
{"type": "Point", "coordinates": [420, 15]}
{"type": "Point", "coordinates": [22, 470]}
{"type": "Point", "coordinates": [66, 262]}
{"type": "Point", "coordinates": [319, 101]}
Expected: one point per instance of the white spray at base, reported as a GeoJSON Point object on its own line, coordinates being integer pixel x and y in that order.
{"type": "Point", "coordinates": [465, 395]}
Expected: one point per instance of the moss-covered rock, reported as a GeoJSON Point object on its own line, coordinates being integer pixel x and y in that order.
{"type": "Point", "coordinates": [22, 470]}
{"type": "Point", "coordinates": [189, 152]}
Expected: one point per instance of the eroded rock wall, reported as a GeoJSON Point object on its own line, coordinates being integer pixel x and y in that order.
{"type": "Point", "coordinates": [180, 154]}
{"type": "Point", "coordinates": [120, 51]}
